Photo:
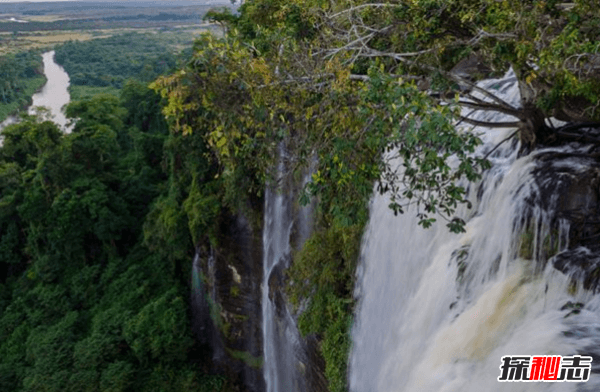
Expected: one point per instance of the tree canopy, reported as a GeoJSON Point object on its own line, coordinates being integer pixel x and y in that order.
{"type": "Point", "coordinates": [344, 85]}
{"type": "Point", "coordinates": [90, 298]}
{"type": "Point", "coordinates": [347, 81]}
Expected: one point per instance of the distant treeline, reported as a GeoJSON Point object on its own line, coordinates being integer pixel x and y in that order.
{"type": "Point", "coordinates": [77, 7]}
{"type": "Point", "coordinates": [111, 61]}
{"type": "Point", "coordinates": [162, 16]}
{"type": "Point", "coordinates": [144, 21]}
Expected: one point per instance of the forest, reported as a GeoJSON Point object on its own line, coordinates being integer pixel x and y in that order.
{"type": "Point", "coordinates": [21, 75]}
{"type": "Point", "coordinates": [100, 226]}
{"type": "Point", "coordinates": [84, 282]}
{"type": "Point", "coordinates": [89, 15]}
{"type": "Point", "coordinates": [80, 313]}
{"type": "Point", "coordinates": [111, 61]}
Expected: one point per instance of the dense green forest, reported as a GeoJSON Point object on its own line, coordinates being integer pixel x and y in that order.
{"type": "Point", "coordinates": [99, 226]}
{"type": "Point", "coordinates": [75, 15]}
{"type": "Point", "coordinates": [109, 62]}
{"type": "Point", "coordinates": [98, 230]}
{"type": "Point", "coordinates": [91, 299]}
{"type": "Point", "coordinates": [21, 75]}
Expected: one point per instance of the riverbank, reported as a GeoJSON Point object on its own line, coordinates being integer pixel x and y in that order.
{"type": "Point", "coordinates": [32, 86]}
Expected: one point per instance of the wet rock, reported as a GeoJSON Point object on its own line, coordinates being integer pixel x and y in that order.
{"type": "Point", "coordinates": [228, 310]}
{"type": "Point", "coordinates": [277, 289]}
{"type": "Point", "coordinates": [572, 307]}
{"type": "Point", "coordinates": [569, 192]}
{"type": "Point", "coordinates": [471, 68]}
{"type": "Point", "coordinates": [232, 275]}
{"type": "Point", "coordinates": [581, 264]}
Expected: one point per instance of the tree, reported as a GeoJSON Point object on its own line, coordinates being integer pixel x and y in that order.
{"type": "Point", "coordinates": [85, 305]}
{"type": "Point", "coordinates": [349, 81]}
{"type": "Point", "coordinates": [551, 46]}
{"type": "Point", "coordinates": [247, 101]}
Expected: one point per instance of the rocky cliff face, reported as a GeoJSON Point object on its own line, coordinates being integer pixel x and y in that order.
{"type": "Point", "coordinates": [227, 311]}
{"type": "Point", "coordinates": [567, 212]}
{"type": "Point", "coordinates": [227, 304]}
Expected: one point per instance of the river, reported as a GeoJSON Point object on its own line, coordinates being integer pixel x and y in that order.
{"type": "Point", "coordinates": [54, 95]}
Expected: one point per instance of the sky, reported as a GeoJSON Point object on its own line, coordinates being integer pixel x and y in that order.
{"type": "Point", "coordinates": [45, 1]}
{"type": "Point", "coordinates": [29, 1]}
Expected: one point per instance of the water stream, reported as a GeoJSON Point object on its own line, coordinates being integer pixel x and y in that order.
{"type": "Point", "coordinates": [54, 95]}
{"type": "Point", "coordinates": [283, 351]}
{"type": "Point", "coordinates": [437, 310]}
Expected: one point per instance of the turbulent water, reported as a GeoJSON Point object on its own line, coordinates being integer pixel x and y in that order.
{"type": "Point", "coordinates": [437, 310]}
{"type": "Point", "coordinates": [280, 336]}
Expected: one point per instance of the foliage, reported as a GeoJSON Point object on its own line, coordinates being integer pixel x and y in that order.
{"type": "Point", "coordinates": [263, 89]}
{"type": "Point", "coordinates": [20, 77]}
{"type": "Point", "coordinates": [550, 45]}
{"type": "Point", "coordinates": [109, 62]}
{"type": "Point", "coordinates": [367, 92]}
{"type": "Point", "coordinates": [249, 108]}
{"type": "Point", "coordinates": [385, 70]}
{"type": "Point", "coordinates": [324, 272]}
{"type": "Point", "coordinates": [85, 304]}
{"type": "Point", "coordinates": [78, 92]}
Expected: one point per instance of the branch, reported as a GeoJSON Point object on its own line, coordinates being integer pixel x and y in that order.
{"type": "Point", "coordinates": [484, 34]}
{"type": "Point", "coordinates": [508, 124]}
{"type": "Point", "coordinates": [499, 144]}
{"type": "Point", "coordinates": [578, 137]}
{"type": "Point", "coordinates": [576, 127]}
{"type": "Point", "coordinates": [402, 58]}
{"type": "Point", "coordinates": [397, 56]}
{"type": "Point", "coordinates": [359, 7]}
{"type": "Point", "coordinates": [483, 91]}
{"type": "Point", "coordinates": [488, 106]}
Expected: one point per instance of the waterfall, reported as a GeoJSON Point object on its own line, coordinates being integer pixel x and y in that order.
{"type": "Point", "coordinates": [280, 335]}
{"type": "Point", "coordinates": [438, 310]}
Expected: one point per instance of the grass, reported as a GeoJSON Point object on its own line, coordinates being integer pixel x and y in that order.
{"type": "Point", "coordinates": [84, 92]}
{"type": "Point", "coordinates": [31, 86]}
{"type": "Point", "coordinates": [58, 37]}
{"type": "Point", "coordinates": [39, 39]}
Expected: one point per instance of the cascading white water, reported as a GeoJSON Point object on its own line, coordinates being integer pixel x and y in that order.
{"type": "Point", "coordinates": [438, 310]}
{"type": "Point", "coordinates": [280, 335]}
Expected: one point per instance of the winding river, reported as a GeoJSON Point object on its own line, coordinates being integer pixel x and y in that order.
{"type": "Point", "coordinates": [54, 95]}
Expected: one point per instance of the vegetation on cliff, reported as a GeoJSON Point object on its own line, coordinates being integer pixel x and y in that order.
{"type": "Point", "coordinates": [350, 83]}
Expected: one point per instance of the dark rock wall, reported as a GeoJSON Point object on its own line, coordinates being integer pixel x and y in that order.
{"type": "Point", "coordinates": [227, 305]}
{"type": "Point", "coordinates": [230, 313]}
{"type": "Point", "coordinates": [569, 184]}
